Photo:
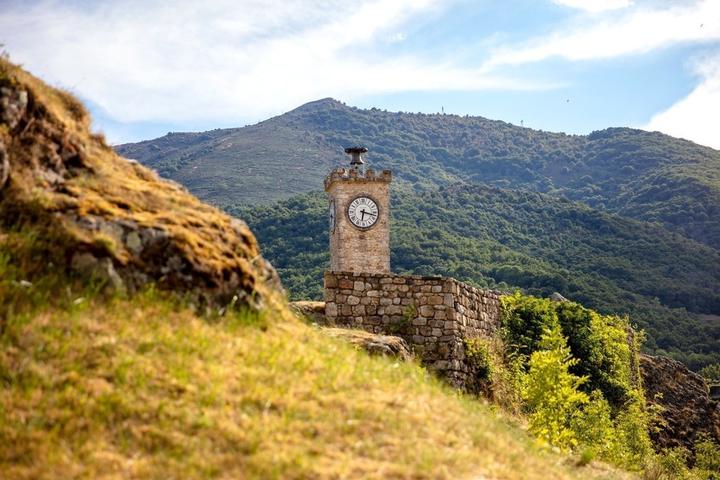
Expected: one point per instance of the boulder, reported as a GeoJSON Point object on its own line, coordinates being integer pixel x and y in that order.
{"type": "Point", "coordinates": [687, 409]}
{"type": "Point", "coordinates": [384, 345]}
{"type": "Point", "coordinates": [314, 311]}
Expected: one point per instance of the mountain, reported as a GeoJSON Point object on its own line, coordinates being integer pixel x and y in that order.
{"type": "Point", "coordinates": [642, 175]}
{"type": "Point", "coordinates": [507, 239]}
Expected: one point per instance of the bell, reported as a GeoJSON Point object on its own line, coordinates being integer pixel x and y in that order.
{"type": "Point", "coordinates": [356, 153]}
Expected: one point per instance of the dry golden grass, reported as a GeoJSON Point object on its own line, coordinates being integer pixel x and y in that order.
{"type": "Point", "coordinates": [145, 389]}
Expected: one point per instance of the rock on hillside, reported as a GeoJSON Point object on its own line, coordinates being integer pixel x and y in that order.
{"type": "Point", "coordinates": [95, 214]}
{"type": "Point", "coordinates": [683, 395]}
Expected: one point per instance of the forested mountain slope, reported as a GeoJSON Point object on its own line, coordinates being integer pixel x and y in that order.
{"type": "Point", "coordinates": [642, 175]}
{"type": "Point", "coordinates": [496, 237]}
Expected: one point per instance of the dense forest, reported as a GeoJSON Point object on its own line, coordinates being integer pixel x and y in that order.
{"type": "Point", "coordinates": [492, 237]}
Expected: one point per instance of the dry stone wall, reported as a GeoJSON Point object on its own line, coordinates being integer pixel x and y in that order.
{"type": "Point", "coordinates": [435, 315]}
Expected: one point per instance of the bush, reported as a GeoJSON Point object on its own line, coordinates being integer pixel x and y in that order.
{"type": "Point", "coordinates": [711, 372]}
{"type": "Point", "coordinates": [707, 457]}
{"type": "Point", "coordinates": [552, 393]}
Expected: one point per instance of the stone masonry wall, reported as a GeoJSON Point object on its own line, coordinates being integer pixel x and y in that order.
{"type": "Point", "coordinates": [435, 315]}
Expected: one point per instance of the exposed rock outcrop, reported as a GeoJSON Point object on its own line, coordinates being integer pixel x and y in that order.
{"type": "Point", "coordinates": [104, 217]}
{"type": "Point", "coordinates": [314, 311]}
{"type": "Point", "coordinates": [688, 410]}
{"type": "Point", "coordinates": [386, 345]}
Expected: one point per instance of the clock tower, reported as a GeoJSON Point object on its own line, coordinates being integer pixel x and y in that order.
{"type": "Point", "coordinates": [359, 214]}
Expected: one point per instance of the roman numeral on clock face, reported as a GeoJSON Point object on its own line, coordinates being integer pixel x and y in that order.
{"type": "Point", "coordinates": [363, 212]}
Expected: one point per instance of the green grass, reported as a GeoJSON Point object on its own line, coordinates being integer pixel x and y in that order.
{"type": "Point", "coordinates": [146, 389]}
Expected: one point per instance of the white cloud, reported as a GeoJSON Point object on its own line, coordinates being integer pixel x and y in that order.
{"type": "Point", "coordinates": [638, 31]}
{"type": "Point", "coordinates": [689, 118]}
{"type": "Point", "coordinates": [594, 6]}
{"type": "Point", "coordinates": [225, 59]}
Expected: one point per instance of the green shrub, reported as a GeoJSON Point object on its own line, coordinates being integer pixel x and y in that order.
{"type": "Point", "coordinates": [707, 457]}
{"type": "Point", "coordinates": [711, 372]}
{"type": "Point", "coordinates": [525, 320]}
{"type": "Point", "coordinates": [477, 353]}
{"type": "Point", "coordinates": [594, 428]}
{"type": "Point", "coordinates": [552, 393]}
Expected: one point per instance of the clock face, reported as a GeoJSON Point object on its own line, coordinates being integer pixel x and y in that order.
{"type": "Point", "coordinates": [363, 212]}
{"type": "Point", "coordinates": [331, 216]}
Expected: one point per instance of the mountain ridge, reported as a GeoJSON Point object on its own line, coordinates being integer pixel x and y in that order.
{"type": "Point", "coordinates": [644, 175]}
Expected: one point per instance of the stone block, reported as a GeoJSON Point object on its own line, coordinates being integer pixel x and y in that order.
{"type": "Point", "coordinates": [419, 321]}
{"type": "Point", "coordinates": [449, 300]}
{"type": "Point", "coordinates": [359, 285]}
{"type": "Point", "coordinates": [396, 301]}
{"type": "Point", "coordinates": [359, 310]}
{"type": "Point", "coordinates": [426, 311]}
{"type": "Point", "coordinates": [371, 309]}
{"type": "Point", "coordinates": [419, 339]}
{"type": "Point", "coordinates": [345, 283]}
{"type": "Point", "coordinates": [386, 301]}
{"type": "Point", "coordinates": [385, 280]}
{"type": "Point", "coordinates": [435, 300]}
{"type": "Point", "coordinates": [393, 310]}
{"type": "Point", "coordinates": [399, 280]}
{"type": "Point", "coordinates": [440, 315]}
{"type": "Point", "coordinates": [346, 310]}
{"type": "Point", "coordinates": [441, 365]}
{"type": "Point", "coordinates": [341, 298]}
{"type": "Point", "coordinates": [436, 288]}
{"type": "Point", "coordinates": [330, 281]}
{"type": "Point", "coordinates": [403, 288]}
{"type": "Point", "coordinates": [353, 300]}
{"type": "Point", "coordinates": [436, 332]}
{"type": "Point", "coordinates": [374, 293]}
{"type": "Point", "coordinates": [331, 309]}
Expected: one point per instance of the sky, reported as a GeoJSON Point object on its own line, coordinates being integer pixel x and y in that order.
{"type": "Point", "coordinates": [147, 67]}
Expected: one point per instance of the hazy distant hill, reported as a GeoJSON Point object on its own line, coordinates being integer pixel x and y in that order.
{"type": "Point", "coordinates": [642, 175]}
{"type": "Point", "coordinates": [496, 237]}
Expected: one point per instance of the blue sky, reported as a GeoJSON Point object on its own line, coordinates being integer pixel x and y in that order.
{"type": "Point", "coordinates": [149, 67]}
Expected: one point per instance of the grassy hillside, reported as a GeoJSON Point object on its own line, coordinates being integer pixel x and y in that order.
{"type": "Point", "coordinates": [642, 175]}
{"type": "Point", "coordinates": [147, 389]}
{"type": "Point", "coordinates": [502, 238]}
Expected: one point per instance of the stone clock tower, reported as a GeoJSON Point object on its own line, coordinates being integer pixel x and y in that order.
{"type": "Point", "coordinates": [359, 217]}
